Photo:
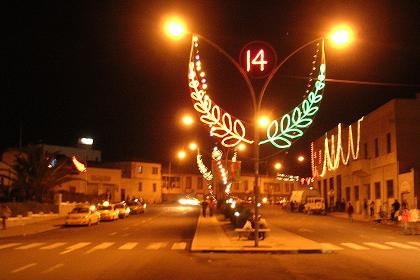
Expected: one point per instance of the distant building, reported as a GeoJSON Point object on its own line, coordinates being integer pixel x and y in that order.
{"type": "Point", "coordinates": [388, 162]}
{"type": "Point", "coordinates": [83, 154]}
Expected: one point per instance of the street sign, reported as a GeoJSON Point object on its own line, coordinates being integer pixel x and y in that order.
{"type": "Point", "coordinates": [258, 59]}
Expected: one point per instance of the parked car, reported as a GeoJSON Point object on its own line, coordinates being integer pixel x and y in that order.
{"type": "Point", "coordinates": [315, 205]}
{"type": "Point", "coordinates": [108, 212]}
{"type": "Point", "coordinates": [136, 207]}
{"type": "Point", "coordinates": [123, 209]}
{"type": "Point", "coordinates": [82, 215]}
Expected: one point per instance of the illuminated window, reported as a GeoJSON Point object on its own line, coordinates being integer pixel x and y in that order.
{"type": "Point", "coordinates": [376, 147]}
{"type": "Point", "coordinates": [390, 188]}
{"type": "Point", "coordinates": [140, 169]}
{"type": "Point", "coordinates": [154, 187]}
{"type": "Point", "coordinates": [388, 143]}
{"type": "Point", "coordinates": [140, 188]}
{"type": "Point", "coordinates": [377, 190]}
{"type": "Point", "coordinates": [155, 170]}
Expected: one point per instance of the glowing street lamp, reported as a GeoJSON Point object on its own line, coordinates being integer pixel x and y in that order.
{"type": "Point", "coordinates": [301, 158]}
{"type": "Point", "coordinates": [277, 166]}
{"type": "Point", "coordinates": [193, 146]}
{"type": "Point", "coordinates": [175, 28]}
{"type": "Point", "coordinates": [341, 36]}
{"type": "Point", "coordinates": [263, 121]}
{"type": "Point", "coordinates": [241, 147]}
{"type": "Point", "coordinates": [187, 120]}
{"type": "Point", "coordinates": [182, 154]}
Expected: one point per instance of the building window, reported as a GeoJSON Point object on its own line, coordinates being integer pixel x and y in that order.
{"type": "Point", "coordinates": [277, 187]}
{"type": "Point", "coordinates": [390, 188]}
{"type": "Point", "coordinates": [319, 186]}
{"type": "Point", "coordinates": [200, 183]}
{"type": "Point", "coordinates": [376, 147]}
{"type": "Point", "coordinates": [154, 187]}
{"type": "Point", "coordinates": [140, 169]}
{"type": "Point", "coordinates": [367, 186]}
{"type": "Point", "coordinates": [348, 192]}
{"type": "Point", "coordinates": [388, 143]}
{"type": "Point", "coordinates": [140, 188]}
{"type": "Point", "coordinates": [331, 183]}
{"type": "Point", "coordinates": [356, 192]}
{"type": "Point", "coordinates": [377, 190]}
{"type": "Point", "coordinates": [188, 182]}
{"type": "Point", "coordinates": [338, 187]}
{"type": "Point", "coordinates": [155, 170]}
{"type": "Point", "coordinates": [366, 151]}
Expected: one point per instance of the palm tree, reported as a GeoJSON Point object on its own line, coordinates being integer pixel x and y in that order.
{"type": "Point", "coordinates": [39, 172]}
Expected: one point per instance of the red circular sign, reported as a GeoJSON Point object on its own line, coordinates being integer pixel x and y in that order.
{"type": "Point", "coordinates": [258, 59]}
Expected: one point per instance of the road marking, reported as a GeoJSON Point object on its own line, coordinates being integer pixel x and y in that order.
{"type": "Point", "coordinates": [29, 246]}
{"type": "Point", "coordinates": [23, 267]}
{"type": "Point", "coordinates": [329, 246]}
{"type": "Point", "coordinates": [378, 246]}
{"type": "Point", "coordinates": [128, 246]}
{"type": "Point", "coordinates": [8, 245]}
{"type": "Point", "coordinates": [355, 246]}
{"type": "Point", "coordinates": [53, 268]}
{"type": "Point", "coordinates": [101, 246]}
{"type": "Point", "coordinates": [156, 245]}
{"type": "Point", "coordinates": [179, 246]}
{"type": "Point", "coordinates": [53, 246]}
{"type": "Point", "coordinates": [75, 247]}
{"type": "Point", "coordinates": [113, 233]}
{"type": "Point", "coordinates": [415, 243]}
{"type": "Point", "coordinates": [402, 246]}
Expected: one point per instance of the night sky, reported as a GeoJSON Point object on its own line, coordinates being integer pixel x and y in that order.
{"type": "Point", "coordinates": [105, 69]}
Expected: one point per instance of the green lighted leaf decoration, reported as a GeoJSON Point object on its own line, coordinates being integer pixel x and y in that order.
{"type": "Point", "coordinates": [281, 133]}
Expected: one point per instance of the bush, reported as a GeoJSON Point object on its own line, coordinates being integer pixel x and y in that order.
{"type": "Point", "coordinates": [22, 208]}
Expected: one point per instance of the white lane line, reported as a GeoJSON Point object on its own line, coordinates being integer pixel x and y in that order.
{"type": "Point", "coordinates": [378, 246]}
{"type": "Point", "coordinates": [53, 246]}
{"type": "Point", "coordinates": [402, 246]}
{"type": "Point", "coordinates": [51, 269]}
{"type": "Point", "coordinates": [355, 246]}
{"type": "Point", "coordinates": [179, 246]}
{"type": "Point", "coordinates": [101, 246]}
{"type": "Point", "coordinates": [156, 245]}
{"type": "Point", "coordinates": [29, 246]}
{"type": "Point", "coordinates": [23, 267]}
{"type": "Point", "coordinates": [8, 245]}
{"type": "Point", "coordinates": [113, 233]}
{"type": "Point", "coordinates": [329, 246]}
{"type": "Point", "coordinates": [74, 247]}
{"type": "Point", "coordinates": [128, 246]}
{"type": "Point", "coordinates": [414, 243]}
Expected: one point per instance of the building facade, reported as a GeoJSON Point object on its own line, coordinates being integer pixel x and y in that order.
{"type": "Point", "coordinates": [382, 159]}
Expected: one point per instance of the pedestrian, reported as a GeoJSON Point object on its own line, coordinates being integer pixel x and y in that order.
{"type": "Point", "coordinates": [395, 209]}
{"type": "Point", "coordinates": [212, 206]}
{"type": "Point", "coordinates": [204, 205]}
{"type": "Point", "coordinates": [350, 211]}
{"type": "Point", "coordinates": [405, 215]}
{"type": "Point", "coordinates": [5, 214]}
{"type": "Point", "coordinates": [372, 209]}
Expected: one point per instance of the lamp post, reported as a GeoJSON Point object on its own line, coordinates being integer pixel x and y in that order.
{"type": "Point", "coordinates": [340, 37]}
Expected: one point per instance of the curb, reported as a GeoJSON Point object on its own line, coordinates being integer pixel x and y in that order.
{"type": "Point", "coordinates": [261, 251]}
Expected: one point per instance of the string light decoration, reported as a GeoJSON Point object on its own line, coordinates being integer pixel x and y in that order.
{"type": "Point", "coordinates": [203, 169]}
{"type": "Point", "coordinates": [222, 125]}
{"type": "Point", "coordinates": [217, 156]}
{"type": "Point", "coordinates": [79, 166]}
{"type": "Point", "coordinates": [282, 133]}
{"type": "Point", "coordinates": [286, 177]}
{"type": "Point", "coordinates": [332, 156]}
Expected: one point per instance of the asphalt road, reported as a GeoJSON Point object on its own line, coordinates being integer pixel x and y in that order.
{"type": "Point", "coordinates": [155, 245]}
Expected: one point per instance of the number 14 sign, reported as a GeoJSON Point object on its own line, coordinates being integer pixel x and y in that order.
{"type": "Point", "coordinates": [258, 58]}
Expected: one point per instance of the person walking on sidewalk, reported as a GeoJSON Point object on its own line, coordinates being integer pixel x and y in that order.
{"type": "Point", "coordinates": [350, 211]}
{"type": "Point", "coordinates": [395, 209]}
{"type": "Point", "coordinates": [5, 214]}
{"type": "Point", "coordinates": [212, 206]}
{"type": "Point", "coordinates": [372, 209]}
{"type": "Point", "coordinates": [204, 205]}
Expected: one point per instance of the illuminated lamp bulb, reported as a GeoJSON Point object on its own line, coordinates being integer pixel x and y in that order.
{"type": "Point", "coordinates": [195, 38]}
{"type": "Point", "coordinates": [202, 74]}
{"type": "Point", "coordinates": [204, 86]}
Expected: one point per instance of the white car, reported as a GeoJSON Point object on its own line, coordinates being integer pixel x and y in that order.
{"type": "Point", "coordinates": [108, 212]}
{"type": "Point", "coordinates": [82, 215]}
{"type": "Point", "coordinates": [315, 205]}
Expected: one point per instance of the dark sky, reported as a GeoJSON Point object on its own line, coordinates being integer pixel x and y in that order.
{"type": "Point", "coordinates": [105, 69]}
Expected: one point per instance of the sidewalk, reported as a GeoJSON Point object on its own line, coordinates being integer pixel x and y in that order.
{"type": "Point", "coordinates": [361, 218]}
{"type": "Point", "coordinates": [22, 226]}
{"type": "Point", "coordinates": [213, 235]}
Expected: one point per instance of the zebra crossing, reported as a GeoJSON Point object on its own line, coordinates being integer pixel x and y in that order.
{"type": "Point", "coordinates": [370, 245]}
{"type": "Point", "coordinates": [88, 247]}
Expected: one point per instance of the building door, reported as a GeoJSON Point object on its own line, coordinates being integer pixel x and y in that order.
{"type": "Point", "coordinates": [122, 194]}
